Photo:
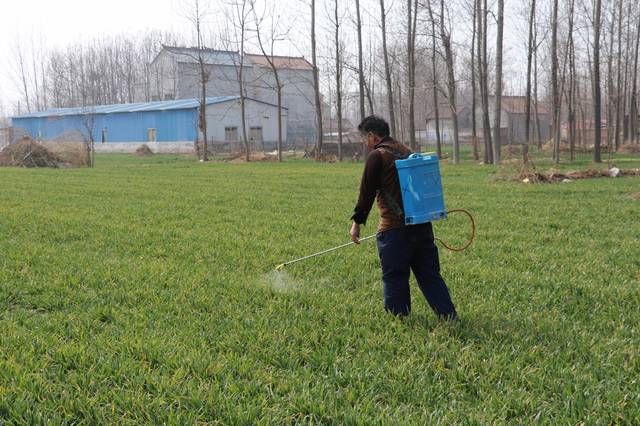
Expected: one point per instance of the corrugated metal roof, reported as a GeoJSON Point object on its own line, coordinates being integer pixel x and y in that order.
{"type": "Point", "coordinates": [123, 108]}
{"type": "Point", "coordinates": [189, 55]}
{"type": "Point", "coordinates": [281, 62]}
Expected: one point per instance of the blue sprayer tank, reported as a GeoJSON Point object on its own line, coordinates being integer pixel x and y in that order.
{"type": "Point", "coordinates": [421, 188]}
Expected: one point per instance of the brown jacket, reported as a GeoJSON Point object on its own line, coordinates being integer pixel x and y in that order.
{"type": "Point", "coordinates": [380, 182]}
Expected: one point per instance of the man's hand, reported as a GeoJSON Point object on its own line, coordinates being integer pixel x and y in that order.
{"type": "Point", "coordinates": [355, 233]}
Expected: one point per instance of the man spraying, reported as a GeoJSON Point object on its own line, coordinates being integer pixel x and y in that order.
{"type": "Point", "coordinates": [402, 248]}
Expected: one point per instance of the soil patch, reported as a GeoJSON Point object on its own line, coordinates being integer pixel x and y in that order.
{"type": "Point", "coordinates": [144, 151]}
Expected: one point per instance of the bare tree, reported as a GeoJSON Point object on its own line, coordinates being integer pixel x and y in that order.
{"type": "Point", "coordinates": [484, 79]}
{"type": "Point", "coordinates": [412, 14]}
{"type": "Point", "coordinates": [618, 77]}
{"type": "Point", "coordinates": [596, 82]}
{"type": "Point", "coordinates": [273, 37]}
{"type": "Point", "coordinates": [498, 96]}
{"type": "Point", "coordinates": [22, 73]}
{"type": "Point", "coordinates": [235, 38]}
{"type": "Point", "coordinates": [88, 121]}
{"type": "Point", "coordinates": [610, 78]}
{"type": "Point", "coordinates": [316, 82]}
{"type": "Point", "coordinates": [571, 95]}
{"type": "Point", "coordinates": [387, 70]}
{"type": "Point", "coordinates": [196, 18]}
{"type": "Point", "coordinates": [554, 81]}
{"type": "Point", "coordinates": [445, 36]}
{"type": "Point", "coordinates": [474, 130]}
{"type": "Point", "coordinates": [633, 107]}
{"type": "Point", "coordinates": [434, 80]}
{"type": "Point", "coordinates": [530, 46]}
{"type": "Point", "coordinates": [339, 63]}
{"type": "Point", "coordinates": [360, 66]}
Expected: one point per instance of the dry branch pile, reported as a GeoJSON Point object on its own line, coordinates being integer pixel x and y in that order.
{"type": "Point", "coordinates": [629, 149]}
{"type": "Point", "coordinates": [534, 176]}
{"type": "Point", "coordinates": [254, 156]}
{"type": "Point", "coordinates": [29, 153]}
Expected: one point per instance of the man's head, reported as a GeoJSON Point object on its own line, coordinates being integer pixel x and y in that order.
{"type": "Point", "coordinates": [373, 129]}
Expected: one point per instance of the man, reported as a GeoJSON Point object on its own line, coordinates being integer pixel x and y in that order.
{"type": "Point", "coordinates": [401, 248]}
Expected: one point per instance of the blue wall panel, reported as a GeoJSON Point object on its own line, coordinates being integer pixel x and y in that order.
{"type": "Point", "coordinates": [172, 125]}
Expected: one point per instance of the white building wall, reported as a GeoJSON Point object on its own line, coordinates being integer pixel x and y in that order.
{"type": "Point", "coordinates": [165, 73]}
{"type": "Point", "coordinates": [220, 116]}
{"type": "Point", "coordinates": [182, 79]}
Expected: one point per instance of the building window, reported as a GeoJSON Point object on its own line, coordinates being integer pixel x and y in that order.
{"type": "Point", "coordinates": [104, 135]}
{"type": "Point", "coordinates": [255, 134]}
{"type": "Point", "coordinates": [151, 135]}
{"type": "Point", "coordinates": [231, 134]}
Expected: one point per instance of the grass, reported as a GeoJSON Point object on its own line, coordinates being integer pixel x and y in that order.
{"type": "Point", "coordinates": [143, 291]}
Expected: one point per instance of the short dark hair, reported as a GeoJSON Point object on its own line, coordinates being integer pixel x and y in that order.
{"type": "Point", "coordinates": [374, 124]}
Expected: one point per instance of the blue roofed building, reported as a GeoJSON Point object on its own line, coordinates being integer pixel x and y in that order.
{"type": "Point", "coordinates": [165, 126]}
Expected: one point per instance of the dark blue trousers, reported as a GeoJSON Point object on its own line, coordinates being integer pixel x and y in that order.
{"type": "Point", "coordinates": [412, 248]}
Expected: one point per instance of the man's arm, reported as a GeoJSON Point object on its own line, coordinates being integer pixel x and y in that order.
{"type": "Point", "coordinates": [369, 185]}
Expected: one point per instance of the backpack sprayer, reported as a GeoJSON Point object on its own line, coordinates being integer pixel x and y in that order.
{"type": "Point", "coordinates": [422, 199]}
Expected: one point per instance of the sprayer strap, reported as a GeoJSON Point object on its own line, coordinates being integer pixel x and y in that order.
{"type": "Point", "coordinates": [388, 198]}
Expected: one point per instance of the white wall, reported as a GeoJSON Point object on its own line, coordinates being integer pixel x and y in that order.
{"type": "Point", "coordinates": [227, 114]}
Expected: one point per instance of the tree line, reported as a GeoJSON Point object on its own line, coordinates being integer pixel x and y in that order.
{"type": "Point", "coordinates": [411, 61]}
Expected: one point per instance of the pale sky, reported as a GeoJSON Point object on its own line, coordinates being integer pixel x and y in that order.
{"type": "Point", "coordinates": [62, 22]}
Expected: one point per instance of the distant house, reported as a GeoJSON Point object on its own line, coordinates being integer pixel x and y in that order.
{"type": "Point", "coordinates": [513, 120]}
{"type": "Point", "coordinates": [165, 126]}
{"type": "Point", "coordinates": [178, 76]}
{"type": "Point", "coordinates": [444, 125]}
{"type": "Point", "coordinates": [330, 128]}
{"type": "Point", "coordinates": [586, 131]}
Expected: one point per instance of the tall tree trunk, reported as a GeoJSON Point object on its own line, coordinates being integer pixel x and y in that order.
{"type": "Point", "coordinates": [554, 82]}
{"type": "Point", "coordinates": [451, 82]}
{"type": "Point", "coordinates": [361, 84]}
{"type": "Point", "coordinates": [536, 116]}
{"type": "Point", "coordinates": [571, 99]}
{"type": "Point", "coordinates": [338, 80]}
{"type": "Point", "coordinates": [633, 107]}
{"type": "Point", "coordinates": [527, 111]}
{"type": "Point", "coordinates": [387, 70]}
{"type": "Point", "coordinates": [316, 82]}
{"type": "Point", "coordinates": [618, 77]}
{"type": "Point", "coordinates": [498, 105]}
{"type": "Point", "coordinates": [474, 129]}
{"type": "Point", "coordinates": [625, 97]}
{"type": "Point", "coordinates": [360, 68]}
{"type": "Point", "coordinates": [479, 68]}
{"type": "Point", "coordinates": [204, 156]}
{"type": "Point", "coordinates": [412, 13]}
{"type": "Point", "coordinates": [400, 107]}
{"type": "Point", "coordinates": [488, 146]}
{"type": "Point", "coordinates": [596, 83]}
{"type": "Point", "coordinates": [434, 79]}
{"type": "Point", "coordinates": [610, 80]}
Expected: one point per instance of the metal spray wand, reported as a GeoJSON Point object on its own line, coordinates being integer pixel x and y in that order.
{"type": "Point", "coordinates": [282, 265]}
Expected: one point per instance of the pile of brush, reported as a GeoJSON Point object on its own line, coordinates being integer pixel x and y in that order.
{"type": "Point", "coordinates": [29, 153]}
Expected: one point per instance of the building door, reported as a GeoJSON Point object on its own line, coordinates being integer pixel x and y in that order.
{"type": "Point", "coordinates": [151, 135]}
{"type": "Point", "coordinates": [230, 134]}
{"type": "Point", "coordinates": [255, 136]}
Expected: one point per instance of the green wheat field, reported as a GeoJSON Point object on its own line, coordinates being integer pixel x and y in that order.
{"type": "Point", "coordinates": [144, 291]}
